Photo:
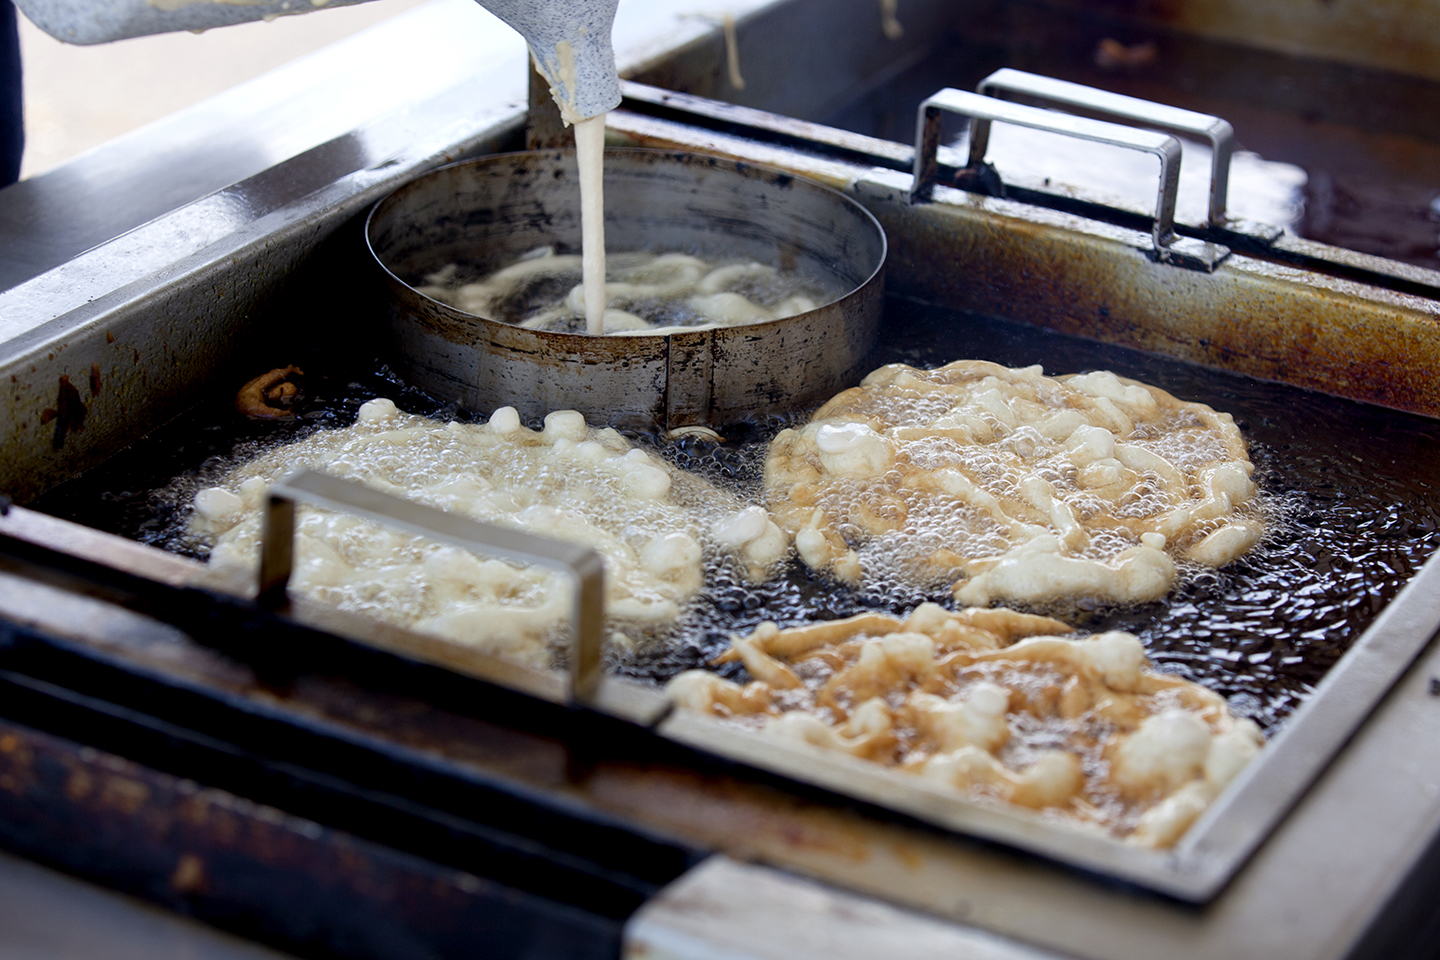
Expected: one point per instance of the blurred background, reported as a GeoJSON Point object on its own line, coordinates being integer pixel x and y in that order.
{"type": "Point", "coordinates": [76, 98]}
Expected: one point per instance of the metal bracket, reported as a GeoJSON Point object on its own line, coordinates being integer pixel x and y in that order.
{"type": "Point", "coordinates": [982, 111]}
{"type": "Point", "coordinates": [1145, 113]}
{"type": "Point", "coordinates": [583, 564]}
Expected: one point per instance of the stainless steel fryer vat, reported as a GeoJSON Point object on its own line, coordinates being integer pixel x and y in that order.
{"type": "Point", "coordinates": [1078, 274]}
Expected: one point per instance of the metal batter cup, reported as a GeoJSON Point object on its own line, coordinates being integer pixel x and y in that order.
{"type": "Point", "coordinates": [496, 209]}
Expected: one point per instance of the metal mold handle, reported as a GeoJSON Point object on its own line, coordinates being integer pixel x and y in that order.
{"type": "Point", "coordinates": [982, 111]}
{"type": "Point", "coordinates": [1155, 116]}
{"type": "Point", "coordinates": [583, 564]}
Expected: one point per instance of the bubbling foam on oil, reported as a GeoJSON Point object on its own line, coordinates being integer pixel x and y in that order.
{"type": "Point", "coordinates": [653, 525]}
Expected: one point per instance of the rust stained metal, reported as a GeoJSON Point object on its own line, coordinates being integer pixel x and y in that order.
{"type": "Point", "coordinates": [242, 865]}
{"type": "Point", "coordinates": [708, 808]}
{"type": "Point", "coordinates": [744, 819]}
{"type": "Point", "coordinates": [68, 414]}
{"type": "Point", "coordinates": [638, 130]}
{"type": "Point", "coordinates": [160, 343]}
{"type": "Point", "coordinates": [1094, 280]}
{"type": "Point", "coordinates": [189, 875]}
{"type": "Point", "coordinates": [713, 810]}
{"type": "Point", "coordinates": [16, 762]}
{"type": "Point", "coordinates": [1253, 318]}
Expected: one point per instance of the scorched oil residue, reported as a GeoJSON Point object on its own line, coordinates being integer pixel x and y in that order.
{"type": "Point", "coordinates": [1353, 512]}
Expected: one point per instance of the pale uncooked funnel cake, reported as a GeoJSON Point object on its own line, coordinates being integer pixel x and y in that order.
{"type": "Point", "coordinates": [647, 293]}
{"type": "Point", "coordinates": [655, 526]}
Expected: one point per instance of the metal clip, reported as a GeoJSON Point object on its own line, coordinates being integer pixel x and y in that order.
{"type": "Point", "coordinates": [582, 564]}
{"type": "Point", "coordinates": [983, 111]}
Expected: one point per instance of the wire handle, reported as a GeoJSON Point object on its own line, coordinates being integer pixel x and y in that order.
{"type": "Point", "coordinates": [583, 564]}
{"type": "Point", "coordinates": [983, 111]}
{"type": "Point", "coordinates": [1145, 113]}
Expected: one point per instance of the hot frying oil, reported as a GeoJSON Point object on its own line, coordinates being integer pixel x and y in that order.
{"type": "Point", "coordinates": [1352, 513]}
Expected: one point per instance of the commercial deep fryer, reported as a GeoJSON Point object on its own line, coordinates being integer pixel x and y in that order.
{"type": "Point", "coordinates": [300, 782]}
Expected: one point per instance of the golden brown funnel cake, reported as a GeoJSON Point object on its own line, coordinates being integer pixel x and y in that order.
{"type": "Point", "coordinates": [995, 704]}
{"type": "Point", "coordinates": [1013, 485]}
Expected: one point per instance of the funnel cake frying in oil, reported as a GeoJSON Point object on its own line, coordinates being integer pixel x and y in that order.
{"type": "Point", "coordinates": [653, 525]}
{"type": "Point", "coordinates": [997, 705]}
{"type": "Point", "coordinates": [1011, 485]}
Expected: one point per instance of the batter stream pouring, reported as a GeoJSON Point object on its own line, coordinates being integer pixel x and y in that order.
{"type": "Point", "coordinates": [570, 44]}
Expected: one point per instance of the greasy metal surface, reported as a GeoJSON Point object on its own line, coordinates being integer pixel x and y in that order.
{"type": "Point", "coordinates": [253, 869]}
{"type": "Point", "coordinates": [39, 529]}
{"type": "Point", "coordinates": [1309, 893]}
{"type": "Point", "coordinates": [1397, 35]}
{"type": "Point", "coordinates": [231, 196]}
{"type": "Point", "coordinates": [493, 210]}
{"type": "Point", "coordinates": [1345, 155]}
{"type": "Point", "coordinates": [615, 696]}
{"type": "Point", "coordinates": [129, 683]}
{"type": "Point", "coordinates": [1265, 321]}
{"type": "Point", "coordinates": [764, 132]}
{"type": "Point", "coordinates": [1374, 664]}
{"type": "Point", "coordinates": [1214, 849]}
{"type": "Point", "coordinates": [581, 564]}
{"type": "Point", "coordinates": [776, 128]}
{"type": "Point", "coordinates": [83, 384]}
{"type": "Point", "coordinates": [1119, 248]}
{"type": "Point", "coordinates": [1298, 898]}
{"type": "Point", "coordinates": [798, 58]}
{"type": "Point", "coordinates": [1114, 243]}
{"type": "Point", "coordinates": [1094, 280]}
{"type": "Point", "coordinates": [949, 276]}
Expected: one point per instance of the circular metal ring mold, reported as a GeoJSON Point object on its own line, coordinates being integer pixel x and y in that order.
{"type": "Point", "coordinates": [493, 210]}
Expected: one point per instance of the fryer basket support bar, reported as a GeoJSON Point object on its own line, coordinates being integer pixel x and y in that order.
{"type": "Point", "coordinates": [983, 111]}
{"type": "Point", "coordinates": [582, 564]}
{"type": "Point", "coordinates": [1145, 113]}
